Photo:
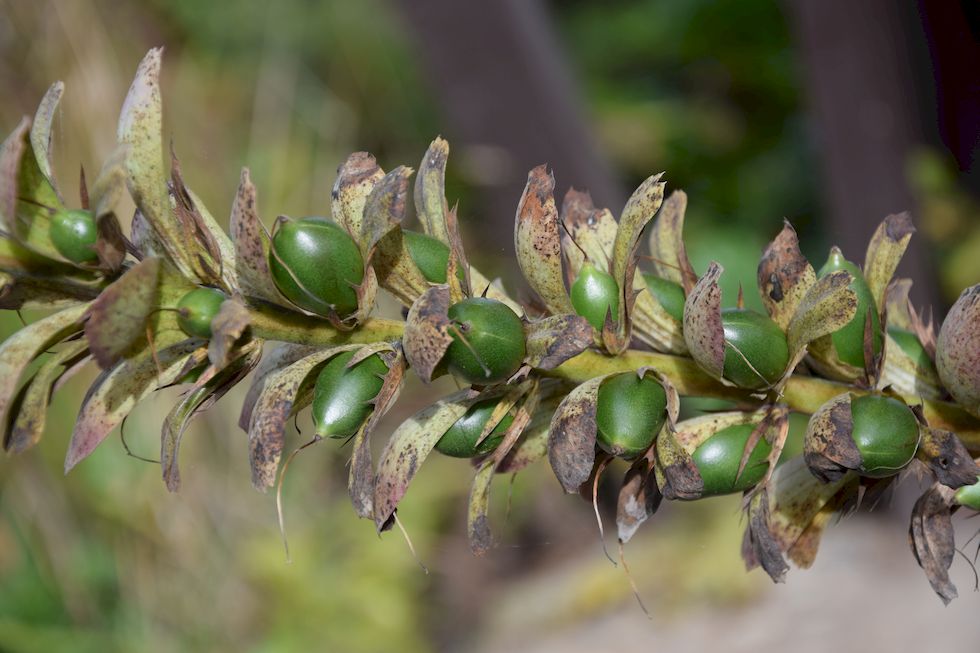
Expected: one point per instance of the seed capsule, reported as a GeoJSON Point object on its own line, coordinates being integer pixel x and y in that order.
{"type": "Point", "coordinates": [488, 341]}
{"type": "Point", "coordinates": [719, 457]}
{"type": "Point", "coordinates": [885, 432]}
{"type": "Point", "coordinates": [460, 440]}
{"type": "Point", "coordinates": [430, 255]}
{"type": "Point", "coordinates": [74, 234]}
{"type": "Point", "coordinates": [197, 308]}
{"type": "Point", "coordinates": [342, 396]}
{"type": "Point", "coordinates": [969, 495]}
{"type": "Point", "coordinates": [668, 294]}
{"type": "Point", "coordinates": [595, 293]}
{"type": "Point", "coordinates": [958, 350]}
{"type": "Point", "coordinates": [316, 265]}
{"type": "Point", "coordinates": [756, 353]}
{"type": "Point", "coordinates": [630, 412]}
{"type": "Point", "coordinates": [849, 340]}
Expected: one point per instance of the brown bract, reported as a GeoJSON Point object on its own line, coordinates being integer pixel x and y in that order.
{"type": "Point", "coordinates": [667, 243]}
{"type": "Point", "coordinates": [703, 330]}
{"type": "Point", "coordinates": [430, 190]}
{"type": "Point", "coordinates": [639, 497]}
{"type": "Point", "coordinates": [227, 328]}
{"type": "Point", "coordinates": [885, 250]}
{"type": "Point", "coordinates": [427, 331]}
{"type": "Point", "coordinates": [537, 241]}
{"type": "Point", "coordinates": [572, 436]}
{"type": "Point", "coordinates": [117, 319]}
{"type": "Point", "coordinates": [784, 276]}
{"type": "Point", "coordinates": [553, 340]}
{"type": "Point", "coordinates": [931, 538]}
{"type": "Point", "coordinates": [251, 242]}
{"type": "Point", "coordinates": [828, 447]}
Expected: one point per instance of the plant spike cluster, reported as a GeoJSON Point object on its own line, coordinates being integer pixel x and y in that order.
{"type": "Point", "coordinates": [593, 373]}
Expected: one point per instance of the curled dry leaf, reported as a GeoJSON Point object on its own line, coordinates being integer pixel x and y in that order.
{"type": "Point", "coordinates": [826, 306]}
{"type": "Point", "coordinates": [117, 319]}
{"type": "Point", "coordinates": [669, 256]}
{"type": "Point", "coordinates": [384, 209]}
{"type": "Point", "coordinates": [360, 480]}
{"type": "Point", "coordinates": [251, 242]}
{"type": "Point", "coordinates": [554, 340]}
{"type": "Point", "coordinates": [408, 448]}
{"type": "Point", "coordinates": [885, 250]}
{"type": "Point", "coordinates": [572, 435]}
{"type": "Point", "coordinates": [427, 331]}
{"type": "Point", "coordinates": [41, 132]}
{"type": "Point", "coordinates": [31, 406]}
{"type": "Point", "coordinates": [204, 394]}
{"type": "Point", "coordinates": [948, 459]}
{"type": "Point", "coordinates": [356, 178]}
{"type": "Point", "coordinates": [932, 539]}
{"type": "Point", "coordinates": [18, 350]}
{"type": "Point", "coordinates": [703, 331]}
{"type": "Point", "coordinates": [140, 128]}
{"type": "Point", "coordinates": [784, 277]}
{"type": "Point", "coordinates": [430, 191]}
{"type": "Point", "coordinates": [227, 328]}
{"type": "Point", "coordinates": [537, 241]}
{"type": "Point", "coordinates": [759, 546]}
{"type": "Point", "coordinates": [639, 497]}
{"type": "Point", "coordinates": [274, 359]}
{"type": "Point", "coordinates": [828, 448]}
{"type": "Point", "coordinates": [117, 391]}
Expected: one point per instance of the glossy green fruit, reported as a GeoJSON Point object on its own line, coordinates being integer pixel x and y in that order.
{"type": "Point", "coordinates": [756, 353]}
{"type": "Point", "coordinates": [316, 265]}
{"type": "Point", "coordinates": [668, 294]}
{"type": "Point", "coordinates": [494, 344]}
{"type": "Point", "coordinates": [885, 432]}
{"type": "Point", "coordinates": [595, 293]}
{"type": "Point", "coordinates": [849, 340]}
{"type": "Point", "coordinates": [969, 495]}
{"type": "Point", "coordinates": [630, 412]}
{"type": "Point", "coordinates": [718, 458]}
{"type": "Point", "coordinates": [197, 308]}
{"type": "Point", "coordinates": [430, 255]}
{"type": "Point", "coordinates": [342, 396]}
{"type": "Point", "coordinates": [909, 343]}
{"type": "Point", "coordinates": [74, 234]}
{"type": "Point", "coordinates": [460, 440]}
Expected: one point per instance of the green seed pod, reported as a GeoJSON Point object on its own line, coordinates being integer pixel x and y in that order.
{"type": "Point", "coordinates": [910, 344]}
{"type": "Point", "coordinates": [343, 395]}
{"type": "Point", "coordinates": [630, 412]}
{"type": "Point", "coordinates": [488, 342]}
{"type": "Point", "coordinates": [719, 457]}
{"type": "Point", "coordinates": [958, 350]}
{"type": "Point", "coordinates": [197, 308]}
{"type": "Point", "coordinates": [969, 495]}
{"type": "Point", "coordinates": [756, 352]}
{"type": "Point", "coordinates": [885, 432]}
{"type": "Point", "coordinates": [430, 255]}
{"type": "Point", "coordinates": [849, 340]}
{"type": "Point", "coordinates": [74, 234]}
{"type": "Point", "coordinates": [460, 440]}
{"type": "Point", "coordinates": [668, 294]}
{"type": "Point", "coordinates": [316, 265]}
{"type": "Point", "coordinates": [595, 293]}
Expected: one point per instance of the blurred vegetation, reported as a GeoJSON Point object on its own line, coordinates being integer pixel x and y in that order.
{"type": "Point", "coordinates": [105, 559]}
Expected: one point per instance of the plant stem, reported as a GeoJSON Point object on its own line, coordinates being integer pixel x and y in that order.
{"type": "Point", "coordinates": [803, 394]}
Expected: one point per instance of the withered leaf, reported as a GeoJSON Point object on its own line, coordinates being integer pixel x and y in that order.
{"type": "Point", "coordinates": [251, 243]}
{"type": "Point", "coordinates": [427, 331]}
{"type": "Point", "coordinates": [639, 497]}
{"type": "Point", "coordinates": [703, 331]}
{"type": "Point", "coordinates": [18, 350]}
{"type": "Point", "coordinates": [784, 276]}
{"type": "Point", "coordinates": [827, 305]}
{"type": "Point", "coordinates": [281, 356]}
{"type": "Point", "coordinates": [679, 477]}
{"type": "Point", "coordinates": [430, 190]}
{"type": "Point", "coordinates": [537, 241]}
{"type": "Point", "coordinates": [117, 391]}
{"type": "Point", "coordinates": [932, 539]}
{"type": "Point", "coordinates": [117, 318]}
{"type": "Point", "coordinates": [828, 448]}
{"type": "Point", "coordinates": [357, 176]}
{"type": "Point", "coordinates": [554, 340]}
{"type": "Point", "coordinates": [885, 250]}
{"type": "Point", "coordinates": [759, 547]}
{"type": "Point", "coordinates": [29, 417]}
{"type": "Point", "coordinates": [384, 209]}
{"type": "Point", "coordinates": [41, 131]}
{"type": "Point", "coordinates": [572, 436]}
{"type": "Point", "coordinates": [408, 448]}
{"type": "Point", "coordinates": [667, 251]}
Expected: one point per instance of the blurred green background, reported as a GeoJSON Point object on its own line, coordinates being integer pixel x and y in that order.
{"type": "Point", "coordinates": [715, 93]}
